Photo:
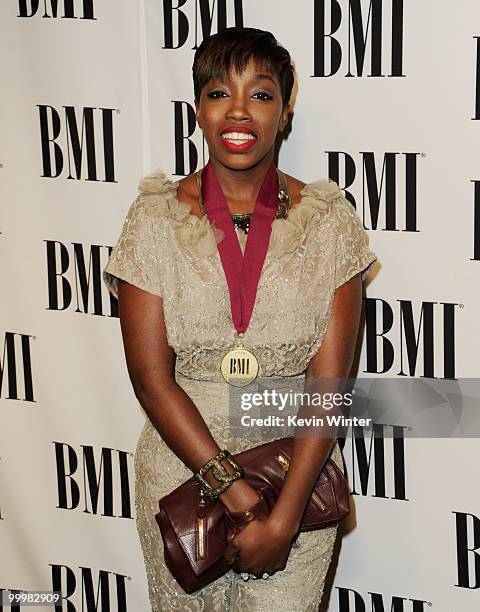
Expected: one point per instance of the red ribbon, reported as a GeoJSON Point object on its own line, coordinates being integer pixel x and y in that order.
{"type": "Point", "coordinates": [242, 271]}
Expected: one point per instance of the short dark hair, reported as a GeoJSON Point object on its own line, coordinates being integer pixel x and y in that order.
{"type": "Point", "coordinates": [232, 48]}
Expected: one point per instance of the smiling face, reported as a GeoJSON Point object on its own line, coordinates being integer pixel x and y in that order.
{"type": "Point", "coordinates": [241, 116]}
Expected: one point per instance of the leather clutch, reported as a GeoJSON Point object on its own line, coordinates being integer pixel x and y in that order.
{"type": "Point", "coordinates": [196, 531]}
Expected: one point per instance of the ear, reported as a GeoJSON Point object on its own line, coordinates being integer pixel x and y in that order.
{"type": "Point", "coordinates": [197, 115]}
{"type": "Point", "coordinates": [283, 119]}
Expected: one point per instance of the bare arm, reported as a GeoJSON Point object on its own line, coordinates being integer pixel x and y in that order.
{"type": "Point", "coordinates": [151, 367]}
{"type": "Point", "coordinates": [333, 360]}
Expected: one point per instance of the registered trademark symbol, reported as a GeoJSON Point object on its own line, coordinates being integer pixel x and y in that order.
{"type": "Point", "coordinates": [460, 306]}
{"type": "Point", "coordinates": [117, 110]}
{"type": "Point", "coordinates": [1, 165]}
{"type": "Point", "coordinates": [429, 603]}
{"type": "Point", "coordinates": [129, 577]}
{"type": "Point", "coordinates": [131, 454]}
{"type": "Point", "coordinates": [423, 154]}
{"type": "Point", "coordinates": [34, 337]}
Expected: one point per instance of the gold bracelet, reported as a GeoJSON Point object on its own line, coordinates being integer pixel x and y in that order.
{"type": "Point", "coordinates": [220, 474]}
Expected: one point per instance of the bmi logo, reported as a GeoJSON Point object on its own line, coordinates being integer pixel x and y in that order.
{"type": "Point", "coordinates": [72, 9]}
{"type": "Point", "coordinates": [190, 21]}
{"type": "Point", "coordinates": [16, 378]}
{"type": "Point", "coordinates": [476, 221]}
{"type": "Point", "coordinates": [477, 79]}
{"type": "Point", "coordinates": [375, 467]}
{"type": "Point", "coordinates": [358, 38]}
{"type": "Point", "coordinates": [476, 201]}
{"type": "Point", "coordinates": [83, 480]}
{"type": "Point", "coordinates": [188, 141]}
{"type": "Point", "coordinates": [85, 588]}
{"type": "Point", "coordinates": [389, 182]}
{"type": "Point", "coordinates": [75, 278]}
{"type": "Point", "coordinates": [467, 531]}
{"type": "Point", "coordinates": [410, 338]}
{"type": "Point", "coordinates": [350, 600]}
{"type": "Point", "coordinates": [77, 142]}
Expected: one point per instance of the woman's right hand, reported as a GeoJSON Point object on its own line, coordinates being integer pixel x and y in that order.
{"type": "Point", "coordinates": [261, 546]}
{"type": "Point", "coordinates": [241, 498]}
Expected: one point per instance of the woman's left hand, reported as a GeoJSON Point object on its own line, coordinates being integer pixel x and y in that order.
{"type": "Point", "coordinates": [261, 546]}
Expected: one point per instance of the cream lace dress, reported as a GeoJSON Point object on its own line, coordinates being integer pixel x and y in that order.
{"type": "Point", "coordinates": [165, 249]}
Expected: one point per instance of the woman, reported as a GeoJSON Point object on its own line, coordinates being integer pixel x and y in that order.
{"type": "Point", "coordinates": [178, 320]}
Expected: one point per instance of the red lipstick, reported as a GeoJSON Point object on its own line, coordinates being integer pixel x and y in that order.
{"type": "Point", "coordinates": [240, 138]}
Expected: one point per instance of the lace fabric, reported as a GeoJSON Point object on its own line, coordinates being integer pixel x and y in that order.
{"type": "Point", "coordinates": [165, 249]}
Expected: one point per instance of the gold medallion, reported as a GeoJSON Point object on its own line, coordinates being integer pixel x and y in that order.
{"type": "Point", "coordinates": [239, 366]}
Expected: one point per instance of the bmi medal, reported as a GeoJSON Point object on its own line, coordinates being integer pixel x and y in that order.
{"type": "Point", "coordinates": [239, 365]}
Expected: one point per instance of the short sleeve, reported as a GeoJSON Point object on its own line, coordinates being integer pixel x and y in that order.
{"type": "Point", "coordinates": [136, 257]}
{"type": "Point", "coordinates": [352, 252]}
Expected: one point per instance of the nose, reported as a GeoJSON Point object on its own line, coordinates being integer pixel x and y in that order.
{"type": "Point", "coordinates": [238, 109]}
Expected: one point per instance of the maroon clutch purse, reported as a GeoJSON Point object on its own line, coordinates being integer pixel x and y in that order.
{"type": "Point", "coordinates": [196, 531]}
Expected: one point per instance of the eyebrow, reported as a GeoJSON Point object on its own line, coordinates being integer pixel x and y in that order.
{"type": "Point", "coordinates": [258, 77]}
{"type": "Point", "coordinates": [261, 77]}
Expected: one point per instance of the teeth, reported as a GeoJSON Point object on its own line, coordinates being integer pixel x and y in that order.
{"type": "Point", "coordinates": [237, 136]}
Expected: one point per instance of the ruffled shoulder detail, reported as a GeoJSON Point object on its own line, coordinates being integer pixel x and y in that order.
{"type": "Point", "coordinates": [323, 190]}
{"type": "Point", "coordinates": [159, 195]}
{"type": "Point", "coordinates": [289, 233]}
{"type": "Point", "coordinates": [157, 182]}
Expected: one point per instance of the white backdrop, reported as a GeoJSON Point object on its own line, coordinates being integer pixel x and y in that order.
{"type": "Point", "coordinates": [116, 74]}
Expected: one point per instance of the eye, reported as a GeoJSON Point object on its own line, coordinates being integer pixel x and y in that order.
{"type": "Point", "coordinates": [263, 95]}
{"type": "Point", "coordinates": [216, 94]}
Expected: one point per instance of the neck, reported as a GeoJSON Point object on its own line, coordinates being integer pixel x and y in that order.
{"type": "Point", "coordinates": [241, 187]}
